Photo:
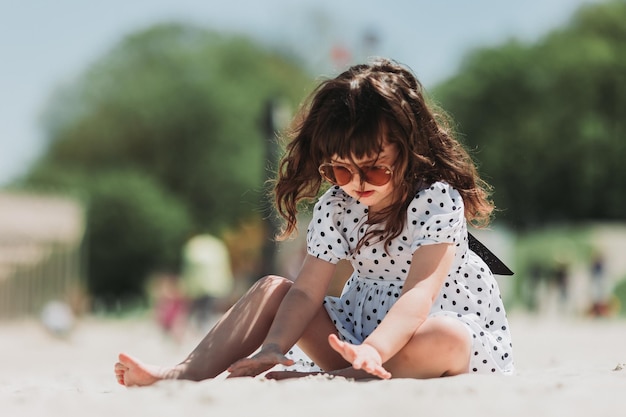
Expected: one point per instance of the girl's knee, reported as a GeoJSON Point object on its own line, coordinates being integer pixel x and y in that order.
{"type": "Point", "coordinates": [440, 347]}
{"type": "Point", "coordinates": [272, 283]}
{"type": "Point", "coordinates": [454, 341]}
{"type": "Point", "coordinates": [450, 335]}
{"type": "Point", "coordinates": [267, 291]}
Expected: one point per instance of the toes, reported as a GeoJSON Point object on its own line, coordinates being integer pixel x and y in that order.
{"type": "Point", "coordinates": [120, 370]}
{"type": "Point", "coordinates": [120, 367]}
{"type": "Point", "coordinates": [120, 378]}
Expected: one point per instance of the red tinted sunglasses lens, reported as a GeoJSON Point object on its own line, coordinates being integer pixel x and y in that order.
{"type": "Point", "coordinates": [336, 174]}
{"type": "Point", "coordinates": [342, 175]}
{"type": "Point", "coordinates": [377, 175]}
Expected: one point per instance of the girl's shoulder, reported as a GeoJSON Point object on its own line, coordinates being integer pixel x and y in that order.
{"type": "Point", "coordinates": [436, 189]}
{"type": "Point", "coordinates": [435, 215]}
{"type": "Point", "coordinates": [334, 217]}
{"type": "Point", "coordinates": [436, 198]}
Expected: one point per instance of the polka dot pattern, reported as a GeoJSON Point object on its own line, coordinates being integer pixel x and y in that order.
{"type": "Point", "coordinates": [436, 214]}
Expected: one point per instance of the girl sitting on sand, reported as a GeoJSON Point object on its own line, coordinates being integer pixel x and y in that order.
{"type": "Point", "coordinates": [419, 303]}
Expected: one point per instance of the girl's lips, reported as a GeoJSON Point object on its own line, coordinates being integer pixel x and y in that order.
{"type": "Point", "coordinates": [364, 194]}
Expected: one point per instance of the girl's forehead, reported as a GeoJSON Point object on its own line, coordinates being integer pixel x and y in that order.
{"type": "Point", "coordinates": [387, 153]}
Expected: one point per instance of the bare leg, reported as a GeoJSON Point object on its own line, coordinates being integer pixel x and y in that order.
{"type": "Point", "coordinates": [239, 332]}
{"type": "Point", "coordinates": [440, 347]}
{"type": "Point", "coordinates": [314, 342]}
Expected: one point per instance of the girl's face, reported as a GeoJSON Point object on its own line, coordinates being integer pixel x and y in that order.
{"type": "Point", "coordinates": [376, 197]}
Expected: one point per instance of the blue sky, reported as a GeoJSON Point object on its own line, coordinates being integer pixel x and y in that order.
{"type": "Point", "coordinates": [45, 43]}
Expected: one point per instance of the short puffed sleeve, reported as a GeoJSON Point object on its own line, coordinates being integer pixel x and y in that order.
{"type": "Point", "coordinates": [436, 215]}
{"type": "Point", "coordinates": [326, 238]}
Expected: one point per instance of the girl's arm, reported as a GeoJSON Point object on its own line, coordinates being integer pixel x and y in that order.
{"type": "Point", "coordinates": [429, 268]}
{"type": "Point", "coordinates": [301, 303]}
{"type": "Point", "coordinates": [298, 307]}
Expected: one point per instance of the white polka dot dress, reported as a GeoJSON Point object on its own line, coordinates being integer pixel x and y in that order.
{"type": "Point", "coordinates": [436, 215]}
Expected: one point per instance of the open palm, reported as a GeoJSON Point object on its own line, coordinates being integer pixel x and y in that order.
{"type": "Point", "coordinates": [363, 356]}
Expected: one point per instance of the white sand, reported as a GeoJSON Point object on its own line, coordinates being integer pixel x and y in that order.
{"type": "Point", "coordinates": [566, 367]}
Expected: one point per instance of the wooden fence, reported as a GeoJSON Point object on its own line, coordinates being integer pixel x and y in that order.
{"type": "Point", "coordinates": [41, 255]}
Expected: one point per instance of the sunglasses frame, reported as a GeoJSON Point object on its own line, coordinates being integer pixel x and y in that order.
{"type": "Point", "coordinates": [361, 171]}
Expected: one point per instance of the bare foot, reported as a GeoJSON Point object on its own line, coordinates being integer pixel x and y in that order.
{"type": "Point", "coordinates": [131, 372]}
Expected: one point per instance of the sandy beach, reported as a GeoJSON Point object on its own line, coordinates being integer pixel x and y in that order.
{"type": "Point", "coordinates": [566, 367]}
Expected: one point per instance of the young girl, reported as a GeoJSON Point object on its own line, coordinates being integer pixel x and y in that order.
{"type": "Point", "coordinates": [419, 303]}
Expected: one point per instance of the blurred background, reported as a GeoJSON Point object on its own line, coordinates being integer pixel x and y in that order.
{"type": "Point", "coordinates": [136, 139]}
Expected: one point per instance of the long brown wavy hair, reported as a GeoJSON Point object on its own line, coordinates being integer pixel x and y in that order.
{"type": "Point", "coordinates": [352, 116]}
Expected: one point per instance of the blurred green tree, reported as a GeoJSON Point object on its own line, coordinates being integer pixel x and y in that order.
{"type": "Point", "coordinates": [134, 227]}
{"type": "Point", "coordinates": [164, 137]}
{"type": "Point", "coordinates": [184, 105]}
{"type": "Point", "coordinates": [546, 121]}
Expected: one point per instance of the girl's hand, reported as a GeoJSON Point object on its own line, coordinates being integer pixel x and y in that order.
{"type": "Point", "coordinates": [267, 358]}
{"type": "Point", "coordinates": [364, 357]}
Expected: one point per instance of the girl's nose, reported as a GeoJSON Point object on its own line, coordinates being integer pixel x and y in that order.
{"type": "Point", "coordinates": [358, 179]}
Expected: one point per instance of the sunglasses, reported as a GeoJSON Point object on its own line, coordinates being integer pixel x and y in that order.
{"type": "Point", "coordinates": [340, 174]}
